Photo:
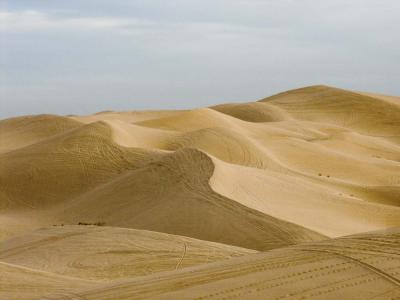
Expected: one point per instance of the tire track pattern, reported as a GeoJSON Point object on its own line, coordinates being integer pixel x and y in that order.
{"type": "Point", "coordinates": [321, 270]}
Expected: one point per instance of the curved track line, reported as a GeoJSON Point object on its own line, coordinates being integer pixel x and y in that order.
{"type": "Point", "coordinates": [182, 257]}
{"type": "Point", "coordinates": [388, 277]}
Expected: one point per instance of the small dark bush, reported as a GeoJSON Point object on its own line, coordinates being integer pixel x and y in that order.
{"type": "Point", "coordinates": [95, 223]}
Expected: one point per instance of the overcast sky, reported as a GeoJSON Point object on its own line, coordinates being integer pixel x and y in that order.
{"type": "Point", "coordinates": [91, 55]}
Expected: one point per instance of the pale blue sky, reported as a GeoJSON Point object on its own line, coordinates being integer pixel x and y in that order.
{"type": "Point", "coordinates": [91, 55]}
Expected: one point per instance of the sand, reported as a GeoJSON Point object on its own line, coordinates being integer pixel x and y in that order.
{"type": "Point", "coordinates": [360, 267]}
{"type": "Point", "coordinates": [170, 190]}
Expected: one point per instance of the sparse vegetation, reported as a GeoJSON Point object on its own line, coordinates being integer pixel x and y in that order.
{"type": "Point", "coordinates": [93, 224]}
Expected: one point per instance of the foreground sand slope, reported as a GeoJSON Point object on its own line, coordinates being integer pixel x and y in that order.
{"type": "Point", "coordinates": [63, 258]}
{"type": "Point", "coordinates": [365, 266]}
{"type": "Point", "coordinates": [22, 283]}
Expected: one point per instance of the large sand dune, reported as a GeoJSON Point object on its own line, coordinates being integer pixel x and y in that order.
{"type": "Point", "coordinates": [296, 168]}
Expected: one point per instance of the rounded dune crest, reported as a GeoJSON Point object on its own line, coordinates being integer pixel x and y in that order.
{"type": "Point", "coordinates": [253, 112]}
{"type": "Point", "coordinates": [22, 131]}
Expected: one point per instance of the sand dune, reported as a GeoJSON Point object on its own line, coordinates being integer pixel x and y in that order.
{"type": "Point", "coordinates": [253, 112]}
{"type": "Point", "coordinates": [40, 174]}
{"type": "Point", "coordinates": [180, 203]}
{"type": "Point", "coordinates": [363, 113]}
{"type": "Point", "coordinates": [102, 253]}
{"type": "Point", "coordinates": [54, 260]}
{"type": "Point", "coordinates": [23, 131]}
{"type": "Point", "coordinates": [295, 168]}
{"type": "Point", "coordinates": [126, 116]}
{"type": "Point", "coordinates": [20, 283]}
{"type": "Point", "coordinates": [365, 266]}
{"type": "Point", "coordinates": [280, 195]}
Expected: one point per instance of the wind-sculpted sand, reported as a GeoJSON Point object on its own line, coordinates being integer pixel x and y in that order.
{"type": "Point", "coordinates": [158, 192]}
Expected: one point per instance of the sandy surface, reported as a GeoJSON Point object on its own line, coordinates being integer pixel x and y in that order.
{"type": "Point", "coordinates": [175, 189]}
{"type": "Point", "coordinates": [365, 266]}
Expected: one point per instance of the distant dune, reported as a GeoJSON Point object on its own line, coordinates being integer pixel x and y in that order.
{"type": "Point", "coordinates": [157, 191]}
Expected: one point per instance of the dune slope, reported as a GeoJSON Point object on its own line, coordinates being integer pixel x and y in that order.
{"type": "Point", "coordinates": [52, 261]}
{"type": "Point", "coordinates": [361, 112]}
{"type": "Point", "coordinates": [180, 203]}
{"type": "Point", "coordinates": [63, 166]}
{"type": "Point", "coordinates": [23, 131]}
{"type": "Point", "coordinates": [104, 253]}
{"type": "Point", "coordinates": [365, 266]}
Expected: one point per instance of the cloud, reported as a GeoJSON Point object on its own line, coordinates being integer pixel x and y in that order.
{"type": "Point", "coordinates": [34, 21]}
{"type": "Point", "coordinates": [31, 20]}
{"type": "Point", "coordinates": [103, 54]}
